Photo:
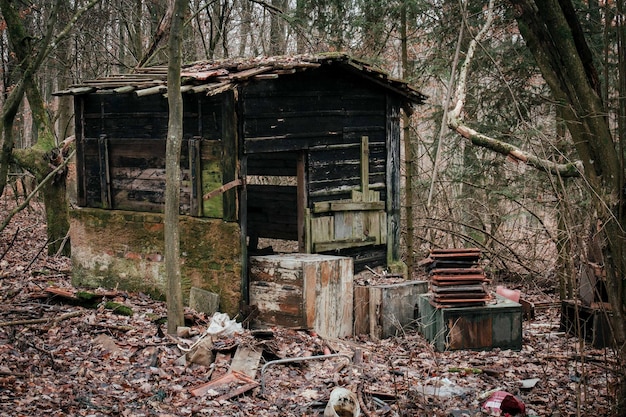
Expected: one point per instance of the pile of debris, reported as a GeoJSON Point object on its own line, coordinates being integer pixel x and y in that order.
{"type": "Point", "coordinates": [456, 278]}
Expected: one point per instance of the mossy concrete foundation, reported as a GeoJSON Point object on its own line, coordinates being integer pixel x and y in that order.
{"type": "Point", "coordinates": [124, 250]}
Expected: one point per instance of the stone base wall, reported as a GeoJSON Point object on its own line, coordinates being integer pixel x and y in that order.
{"type": "Point", "coordinates": [124, 249]}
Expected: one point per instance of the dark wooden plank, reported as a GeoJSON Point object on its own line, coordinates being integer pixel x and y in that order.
{"type": "Point", "coordinates": [302, 202]}
{"type": "Point", "coordinates": [393, 180]}
{"type": "Point", "coordinates": [280, 123]}
{"type": "Point", "coordinates": [81, 173]}
{"type": "Point", "coordinates": [365, 164]}
{"type": "Point", "coordinates": [195, 174]}
{"type": "Point", "coordinates": [361, 310]}
{"type": "Point", "coordinates": [103, 164]}
{"type": "Point", "coordinates": [273, 164]}
{"type": "Point", "coordinates": [230, 142]}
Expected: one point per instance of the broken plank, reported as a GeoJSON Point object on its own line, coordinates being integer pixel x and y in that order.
{"type": "Point", "coordinates": [246, 360]}
{"type": "Point", "coordinates": [343, 244]}
{"type": "Point", "coordinates": [225, 387]}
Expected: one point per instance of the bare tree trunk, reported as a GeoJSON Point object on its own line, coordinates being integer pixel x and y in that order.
{"type": "Point", "coordinates": [246, 25]}
{"type": "Point", "coordinates": [555, 37]}
{"type": "Point", "coordinates": [175, 316]}
{"type": "Point", "coordinates": [43, 155]}
{"type": "Point", "coordinates": [277, 28]}
{"type": "Point", "coordinates": [408, 151]}
{"type": "Point", "coordinates": [137, 37]}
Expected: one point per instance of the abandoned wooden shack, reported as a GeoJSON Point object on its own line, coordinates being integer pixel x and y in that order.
{"type": "Point", "coordinates": [304, 149]}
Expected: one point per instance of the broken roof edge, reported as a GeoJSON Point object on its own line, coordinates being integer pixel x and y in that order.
{"type": "Point", "coordinates": [205, 76]}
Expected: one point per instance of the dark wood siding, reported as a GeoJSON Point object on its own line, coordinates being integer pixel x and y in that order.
{"type": "Point", "coordinates": [278, 164]}
{"type": "Point", "coordinates": [272, 207]}
{"type": "Point", "coordinates": [121, 146]}
{"type": "Point", "coordinates": [130, 117]}
{"type": "Point", "coordinates": [309, 109]}
{"type": "Point", "coordinates": [326, 112]}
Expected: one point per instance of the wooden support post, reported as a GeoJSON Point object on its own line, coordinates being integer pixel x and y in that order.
{"type": "Point", "coordinates": [365, 167]}
{"type": "Point", "coordinates": [302, 202]}
{"type": "Point", "coordinates": [103, 161]}
{"type": "Point", "coordinates": [195, 171]}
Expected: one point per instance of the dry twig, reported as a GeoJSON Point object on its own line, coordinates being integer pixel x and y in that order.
{"type": "Point", "coordinates": [53, 320]}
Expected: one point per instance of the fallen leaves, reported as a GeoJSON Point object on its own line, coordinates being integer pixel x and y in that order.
{"type": "Point", "coordinates": [60, 359]}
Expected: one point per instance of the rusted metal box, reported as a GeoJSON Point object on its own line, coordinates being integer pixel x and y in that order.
{"type": "Point", "coordinates": [386, 310]}
{"type": "Point", "coordinates": [495, 325]}
{"type": "Point", "coordinates": [304, 291]}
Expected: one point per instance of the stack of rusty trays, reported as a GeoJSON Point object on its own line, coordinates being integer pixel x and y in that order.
{"type": "Point", "coordinates": [456, 278]}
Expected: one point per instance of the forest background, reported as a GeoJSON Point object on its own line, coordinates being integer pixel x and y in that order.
{"type": "Point", "coordinates": [517, 150]}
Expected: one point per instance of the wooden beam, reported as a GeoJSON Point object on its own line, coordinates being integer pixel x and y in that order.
{"type": "Point", "coordinates": [302, 202]}
{"type": "Point", "coordinates": [228, 186]}
{"type": "Point", "coordinates": [159, 89]}
{"type": "Point", "coordinates": [125, 89]}
{"type": "Point", "coordinates": [105, 177]}
{"type": "Point", "coordinates": [343, 244]}
{"type": "Point", "coordinates": [333, 206]}
{"type": "Point", "coordinates": [195, 172]}
{"type": "Point", "coordinates": [231, 155]}
{"type": "Point", "coordinates": [365, 165]}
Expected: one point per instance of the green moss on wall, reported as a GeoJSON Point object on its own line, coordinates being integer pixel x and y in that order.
{"type": "Point", "coordinates": [125, 250]}
{"type": "Point", "coordinates": [212, 179]}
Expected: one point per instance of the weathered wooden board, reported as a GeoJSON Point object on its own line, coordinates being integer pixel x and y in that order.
{"type": "Point", "coordinates": [357, 222]}
{"type": "Point", "coordinates": [361, 310]}
{"type": "Point", "coordinates": [246, 360]}
{"type": "Point", "coordinates": [303, 290]}
{"type": "Point", "coordinates": [383, 311]}
{"type": "Point", "coordinates": [212, 178]}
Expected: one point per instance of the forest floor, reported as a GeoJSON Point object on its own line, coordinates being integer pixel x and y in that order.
{"type": "Point", "coordinates": [60, 359]}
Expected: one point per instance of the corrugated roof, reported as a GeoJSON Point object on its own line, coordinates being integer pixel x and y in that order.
{"type": "Point", "coordinates": [215, 77]}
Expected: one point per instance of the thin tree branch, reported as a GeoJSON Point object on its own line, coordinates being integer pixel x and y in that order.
{"type": "Point", "coordinates": [456, 123]}
{"type": "Point", "coordinates": [446, 104]}
{"type": "Point", "coordinates": [572, 169]}
{"type": "Point", "coordinates": [53, 320]}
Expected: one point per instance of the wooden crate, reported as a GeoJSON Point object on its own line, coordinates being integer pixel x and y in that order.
{"type": "Point", "coordinates": [383, 311]}
{"type": "Point", "coordinates": [495, 325]}
{"type": "Point", "coordinates": [304, 291]}
{"type": "Point", "coordinates": [592, 323]}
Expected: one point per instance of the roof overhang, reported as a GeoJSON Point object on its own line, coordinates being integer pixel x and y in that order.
{"type": "Point", "coordinates": [213, 78]}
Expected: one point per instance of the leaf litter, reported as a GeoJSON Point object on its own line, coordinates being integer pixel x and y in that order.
{"type": "Point", "coordinates": [79, 361]}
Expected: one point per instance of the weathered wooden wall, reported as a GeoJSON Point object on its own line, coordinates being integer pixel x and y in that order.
{"type": "Point", "coordinates": [272, 207]}
{"type": "Point", "coordinates": [326, 115]}
{"type": "Point", "coordinates": [387, 310]}
{"type": "Point", "coordinates": [330, 131]}
{"type": "Point", "coordinates": [272, 211]}
{"type": "Point", "coordinates": [121, 142]}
